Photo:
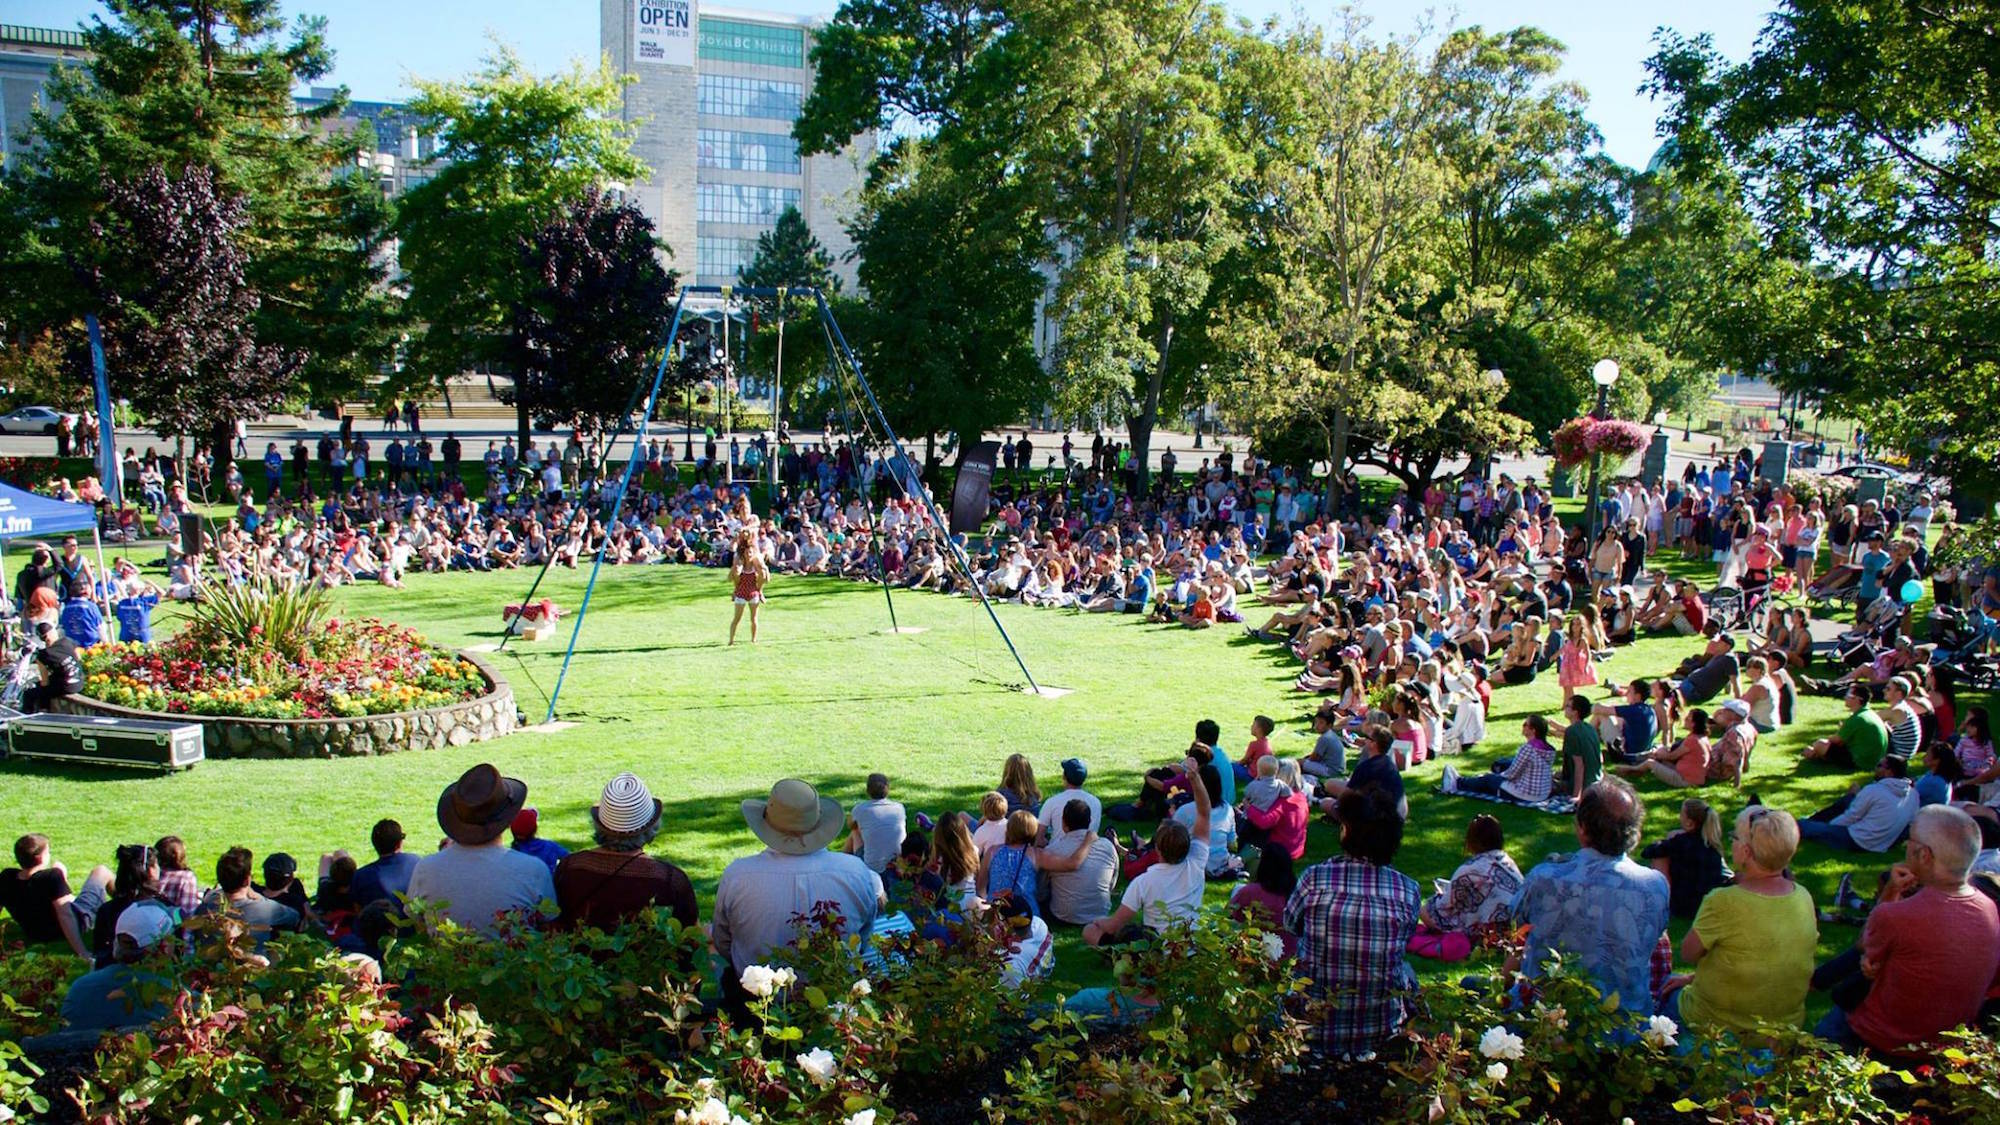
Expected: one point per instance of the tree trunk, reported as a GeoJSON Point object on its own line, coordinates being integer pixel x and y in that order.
{"type": "Point", "coordinates": [1335, 456]}
{"type": "Point", "coordinates": [1139, 427]}
{"type": "Point", "coordinates": [521, 431]}
{"type": "Point", "coordinates": [221, 442]}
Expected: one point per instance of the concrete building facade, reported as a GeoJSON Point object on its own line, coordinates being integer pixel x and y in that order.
{"type": "Point", "coordinates": [714, 124]}
{"type": "Point", "coordinates": [27, 56]}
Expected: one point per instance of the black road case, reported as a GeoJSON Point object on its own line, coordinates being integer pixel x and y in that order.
{"type": "Point", "coordinates": [106, 740]}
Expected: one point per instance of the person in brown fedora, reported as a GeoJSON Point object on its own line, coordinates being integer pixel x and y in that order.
{"type": "Point", "coordinates": [478, 878]}
{"type": "Point", "coordinates": [760, 895]}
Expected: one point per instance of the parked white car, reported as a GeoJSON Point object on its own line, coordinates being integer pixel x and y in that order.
{"type": "Point", "coordinates": [34, 420]}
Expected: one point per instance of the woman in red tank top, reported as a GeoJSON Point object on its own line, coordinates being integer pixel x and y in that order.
{"type": "Point", "coordinates": [747, 572]}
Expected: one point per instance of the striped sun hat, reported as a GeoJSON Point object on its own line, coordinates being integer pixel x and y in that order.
{"type": "Point", "coordinates": [626, 806]}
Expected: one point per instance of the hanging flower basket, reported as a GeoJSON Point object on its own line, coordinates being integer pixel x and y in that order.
{"type": "Point", "coordinates": [1576, 440]}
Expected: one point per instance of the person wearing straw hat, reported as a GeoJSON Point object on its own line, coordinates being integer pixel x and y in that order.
{"type": "Point", "coordinates": [760, 895]}
{"type": "Point", "coordinates": [615, 880]}
{"type": "Point", "coordinates": [478, 878]}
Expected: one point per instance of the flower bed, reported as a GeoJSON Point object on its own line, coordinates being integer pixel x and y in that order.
{"type": "Point", "coordinates": [269, 676]}
{"type": "Point", "coordinates": [354, 668]}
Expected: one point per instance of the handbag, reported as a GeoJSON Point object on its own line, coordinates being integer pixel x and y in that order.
{"type": "Point", "coordinates": [1440, 945]}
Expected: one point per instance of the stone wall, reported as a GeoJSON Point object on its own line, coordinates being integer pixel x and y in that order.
{"type": "Point", "coordinates": [474, 720]}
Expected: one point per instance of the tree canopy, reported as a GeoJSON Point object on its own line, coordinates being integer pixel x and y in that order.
{"type": "Point", "coordinates": [589, 325]}
{"type": "Point", "coordinates": [514, 150]}
{"type": "Point", "coordinates": [1864, 138]}
{"type": "Point", "coordinates": [175, 86]}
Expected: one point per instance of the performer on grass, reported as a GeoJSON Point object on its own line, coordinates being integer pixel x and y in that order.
{"type": "Point", "coordinates": [748, 571]}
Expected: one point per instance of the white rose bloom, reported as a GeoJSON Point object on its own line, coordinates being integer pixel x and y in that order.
{"type": "Point", "coordinates": [861, 1117]}
{"type": "Point", "coordinates": [819, 1064]}
{"type": "Point", "coordinates": [1661, 1032]}
{"type": "Point", "coordinates": [710, 1112]}
{"type": "Point", "coordinates": [759, 980]}
{"type": "Point", "coordinates": [1499, 1043]}
{"type": "Point", "coordinates": [1496, 1072]}
{"type": "Point", "coordinates": [1274, 947]}
{"type": "Point", "coordinates": [863, 988]}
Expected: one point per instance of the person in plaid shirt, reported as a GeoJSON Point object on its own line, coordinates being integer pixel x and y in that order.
{"type": "Point", "coordinates": [178, 886]}
{"type": "Point", "coordinates": [1355, 915]}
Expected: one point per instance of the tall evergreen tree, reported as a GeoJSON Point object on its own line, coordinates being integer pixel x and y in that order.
{"type": "Point", "coordinates": [789, 255]}
{"type": "Point", "coordinates": [176, 85]}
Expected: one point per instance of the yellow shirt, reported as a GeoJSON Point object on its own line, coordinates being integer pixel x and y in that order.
{"type": "Point", "coordinates": [1759, 962]}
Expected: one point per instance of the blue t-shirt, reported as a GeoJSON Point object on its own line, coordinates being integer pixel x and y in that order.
{"type": "Point", "coordinates": [1872, 562]}
{"type": "Point", "coordinates": [1932, 790]}
{"type": "Point", "coordinates": [81, 622]}
{"type": "Point", "coordinates": [135, 617]}
{"type": "Point", "coordinates": [115, 997]}
{"type": "Point", "coordinates": [1140, 592]}
{"type": "Point", "coordinates": [1639, 724]}
{"type": "Point", "coordinates": [548, 851]}
{"type": "Point", "coordinates": [1012, 870]}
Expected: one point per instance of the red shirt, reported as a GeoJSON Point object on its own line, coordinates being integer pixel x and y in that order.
{"type": "Point", "coordinates": [1285, 821]}
{"type": "Point", "coordinates": [1258, 748]}
{"type": "Point", "coordinates": [1696, 610]}
{"type": "Point", "coordinates": [1939, 956]}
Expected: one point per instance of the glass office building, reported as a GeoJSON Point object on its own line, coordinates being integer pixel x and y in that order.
{"type": "Point", "coordinates": [715, 111]}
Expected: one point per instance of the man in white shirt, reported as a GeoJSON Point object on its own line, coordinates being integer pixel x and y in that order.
{"type": "Point", "coordinates": [760, 895]}
{"type": "Point", "coordinates": [876, 826]}
{"type": "Point", "coordinates": [1169, 891]}
{"type": "Point", "coordinates": [1075, 773]}
{"type": "Point", "coordinates": [479, 878]}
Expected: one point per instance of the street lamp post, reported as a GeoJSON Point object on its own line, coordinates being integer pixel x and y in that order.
{"type": "Point", "coordinates": [1605, 374]}
{"type": "Point", "coordinates": [1497, 379]}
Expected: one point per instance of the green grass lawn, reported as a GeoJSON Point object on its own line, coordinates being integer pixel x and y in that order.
{"type": "Point", "coordinates": [825, 695]}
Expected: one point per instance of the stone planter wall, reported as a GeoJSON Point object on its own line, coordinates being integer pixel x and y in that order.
{"type": "Point", "coordinates": [474, 720]}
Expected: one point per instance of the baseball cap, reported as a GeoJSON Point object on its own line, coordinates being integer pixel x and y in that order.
{"type": "Point", "coordinates": [145, 923]}
{"type": "Point", "coordinates": [1075, 771]}
{"type": "Point", "coordinates": [525, 823]}
{"type": "Point", "coordinates": [1737, 705]}
{"type": "Point", "coordinates": [279, 867]}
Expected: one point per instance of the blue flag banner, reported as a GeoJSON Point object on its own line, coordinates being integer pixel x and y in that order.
{"type": "Point", "coordinates": [108, 472]}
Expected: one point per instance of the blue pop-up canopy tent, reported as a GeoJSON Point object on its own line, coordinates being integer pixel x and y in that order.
{"type": "Point", "coordinates": [24, 514]}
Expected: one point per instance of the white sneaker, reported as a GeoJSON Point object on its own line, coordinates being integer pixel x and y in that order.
{"type": "Point", "coordinates": [1450, 778]}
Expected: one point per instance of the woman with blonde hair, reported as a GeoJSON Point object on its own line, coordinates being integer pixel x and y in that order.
{"type": "Point", "coordinates": [748, 572]}
{"type": "Point", "coordinates": [954, 861]}
{"type": "Point", "coordinates": [1752, 944]}
{"type": "Point", "coordinates": [1690, 857]}
{"type": "Point", "coordinates": [1017, 784]}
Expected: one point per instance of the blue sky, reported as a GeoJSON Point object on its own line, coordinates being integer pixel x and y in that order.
{"type": "Point", "coordinates": [381, 43]}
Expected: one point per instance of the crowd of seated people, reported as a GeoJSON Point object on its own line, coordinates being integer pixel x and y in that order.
{"type": "Point", "coordinates": [1403, 623]}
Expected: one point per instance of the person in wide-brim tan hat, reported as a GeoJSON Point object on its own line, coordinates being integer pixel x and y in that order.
{"type": "Point", "coordinates": [794, 819]}
{"type": "Point", "coordinates": [761, 898]}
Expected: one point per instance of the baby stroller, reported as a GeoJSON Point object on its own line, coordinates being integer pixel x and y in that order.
{"type": "Point", "coordinates": [1726, 607]}
{"type": "Point", "coordinates": [1881, 623]}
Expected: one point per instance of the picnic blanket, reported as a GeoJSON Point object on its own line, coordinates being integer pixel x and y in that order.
{"type": "Point", "coordinates": [1560, 806]}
